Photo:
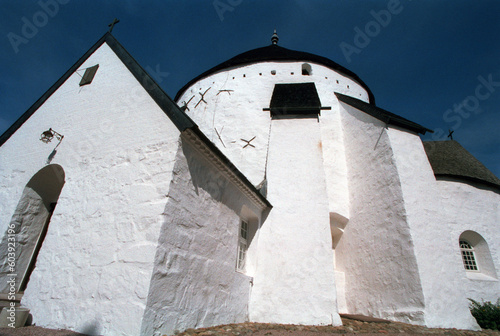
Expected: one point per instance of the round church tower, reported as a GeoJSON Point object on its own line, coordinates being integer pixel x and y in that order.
{"type": "Point", "coordinates": [233, 103]}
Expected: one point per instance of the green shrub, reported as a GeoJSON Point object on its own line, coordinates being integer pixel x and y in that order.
{"type": "Point", "coordinates": [487, 314]}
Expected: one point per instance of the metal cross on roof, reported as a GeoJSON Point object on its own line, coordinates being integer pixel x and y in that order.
{"type": "Point", "coordinates": [112, 24]}
{"type": "Point", "coordinates": [450, 134]}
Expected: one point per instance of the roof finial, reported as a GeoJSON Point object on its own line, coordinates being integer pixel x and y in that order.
{"type": "Point", "coordinates": [450, 134]}
{"type": "Point", "coordinates": [274, 38]}
{"type": "Point", "coordinates": [112, 25]}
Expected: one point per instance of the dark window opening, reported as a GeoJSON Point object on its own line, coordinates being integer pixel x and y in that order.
{"type": "Point", "coordinates": [295, 99]}
{"type": "Point", "coordinates": [89, 74]}
{"type": "Point", "coordinates": [306, 69]}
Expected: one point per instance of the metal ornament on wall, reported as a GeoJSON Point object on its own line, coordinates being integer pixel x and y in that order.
{"type": "Point", "coordinates": [228, 91]}
{"type": "Point", "coordinates": [202, 99]}
{"type": "Point", "coordinates": [48, 135]}
{"type": "Point", "coordinates": [219, 135]}
{"type": "Point", "coordinates": [185, 107]}
{"type": "Point", "coordinates": [248, 142]}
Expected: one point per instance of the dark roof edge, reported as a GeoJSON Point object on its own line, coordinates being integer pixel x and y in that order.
{"type": "Point", "coordinates": [229, 164]}
{"type": "Point", "coordinates": [383, 115]}
{"type": "Point", "coordinates": [308, 57]}
{"type": "Point", "coordinates": [469, 180]}
{"type": "Point", "coordinates": [451, 160]}
{"type": "Point", "coordinates": [178, 117]}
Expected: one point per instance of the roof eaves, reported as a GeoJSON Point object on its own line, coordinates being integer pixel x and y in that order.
{"type": "Point", "coordinates": [238, 60]}
{"type": "Point", "coordinates": [451, 160]}
{"type": "Point", "coordinates": [472, 180]}
{"type": "Point", "coordinates": [234, 173]}
{"type": "Point", "coordinates": [383, 115]}
{"type": "Point", "coordinates": [178, 117]}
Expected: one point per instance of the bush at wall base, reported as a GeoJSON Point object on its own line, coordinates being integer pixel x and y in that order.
{"type": "Point", "coordinates": [487, 314]}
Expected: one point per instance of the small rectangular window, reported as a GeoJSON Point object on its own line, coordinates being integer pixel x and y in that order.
{"type": "Point", "coordinates": [242, 245]}
{"type": "Point", "coordinates": [89, 74]}
{"type": "Point", "coordinates": [244, 230]}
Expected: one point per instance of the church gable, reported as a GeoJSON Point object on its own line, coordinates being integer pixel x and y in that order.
{"type": "Point", "coordinates": [86, 74]}
{"type": "Point", "coordinates": [116, 148]}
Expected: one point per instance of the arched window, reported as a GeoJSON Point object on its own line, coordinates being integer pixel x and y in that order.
{"type": "Point", "coordinates": [306, 69]}
{"type": "Point", "coordinates": [468, 256]}
{"type": "Point", "coordinates": [476, 256]}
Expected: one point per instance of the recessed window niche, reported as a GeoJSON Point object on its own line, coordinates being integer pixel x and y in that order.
{"type": "Point", "coordinates": [306, 69]}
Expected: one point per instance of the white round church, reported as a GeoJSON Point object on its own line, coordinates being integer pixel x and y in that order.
{"type": "Point", "coordinates": [272, 190]}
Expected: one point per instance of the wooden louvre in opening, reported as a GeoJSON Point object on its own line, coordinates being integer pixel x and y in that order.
{"type": "Point", "coordinates": [295, 99]}
{"type": "Point", "coordinates": [89, 74]}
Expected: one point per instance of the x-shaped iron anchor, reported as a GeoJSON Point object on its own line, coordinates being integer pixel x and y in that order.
{"type": "Point", "coordinates": [218, 134]}
{"type": "Point", "coordinates": [228, 91]}
{"type": "Point", "coordinates": [248, 142]}
{"type": "Point", "coordinates": [185, 106]}
{"type": "Point", "coordinates": [202, 98]}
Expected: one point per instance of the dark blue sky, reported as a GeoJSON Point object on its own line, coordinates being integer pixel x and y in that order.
{"type": "Point", "coordinates": [434, 62]}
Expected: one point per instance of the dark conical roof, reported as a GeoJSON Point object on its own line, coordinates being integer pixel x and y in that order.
{"type": "Point", "coordinates": [450, 159]}
{"type": "Point", "coordinates": [274, 52]}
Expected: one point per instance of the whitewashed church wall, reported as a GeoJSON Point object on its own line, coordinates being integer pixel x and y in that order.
{"type": "Point", "coordinates": [477, 209]}
{"type": "Point", "coordinates": [118, 154]}
{"type": "Point", "coordinates": [376, 250]}
{"type": "Point", "coordinates": [436, 250]}
{"type": "Point", "coordinates": [234, 107]}
{"type": "Point", "coordinates": [195, 282]}
{"type": "Point", "coordinates": [294, 282]}
{"type": "Point", "coordinates": [334, 161]}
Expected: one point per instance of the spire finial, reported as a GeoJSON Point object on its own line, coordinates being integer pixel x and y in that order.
{"type": "Point", "coordinates": [274, 38]}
